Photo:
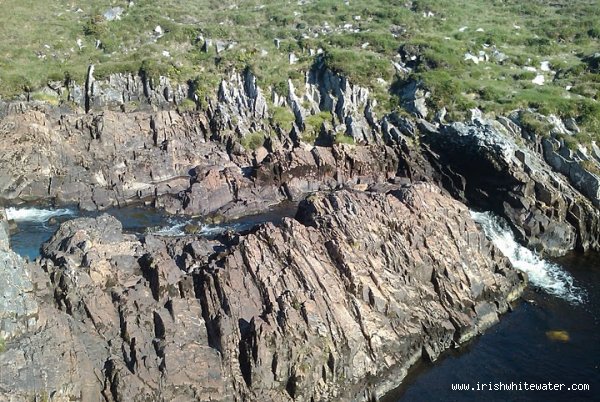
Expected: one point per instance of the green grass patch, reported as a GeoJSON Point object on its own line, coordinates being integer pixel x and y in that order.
{"type": "Point", "coordinates": [344, 139]}
{"type": "Point", "coordinates": [314, 122]}
{"type": "Point", "coordinates": [282, 117]}
{"type": "Point", "coordinates": [253, 141]}
{"type": "Point", "coordinates": [591, 167]}
{"type": "Point", "coordinates": [45, 97]}
{"type": "Point", "coordinates": [532, 124]}
{"type": "Point", "coordinates": [360, 67]}
{"type": "Point", "coordinates": [50, 41]}
{"type": "Point", "coordinates": [187, 105]}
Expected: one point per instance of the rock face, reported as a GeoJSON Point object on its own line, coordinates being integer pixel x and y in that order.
{"type": "Point", "coordinates": [235, 158]}
{"type": "Point", "coordinates": [350, 105]}
{"type": "Point", "coordinates": [240, 105]}
{"type": "Point", "coordinates": [484, 164]}
{"type": "Point", "coordinates": [334, 305]}
{"type": "Point", "coordinates": [18, 307]}
{"type": "Point", "coordinates": [101, 160]}
{"type": "Point", "coordinates": [120, 89]}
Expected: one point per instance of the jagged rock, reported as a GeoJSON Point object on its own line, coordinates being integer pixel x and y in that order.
{"type": "Point", "coordinates": [350, 104]}
{"type": "Point", "coordinates": [101, 160]}
{"type": "Point", "coordinates": [18, 307]}
{"type": "Point", "coordinates": [562, 161]}
{"type": "Point", "coordinates": [486, 166]}
{"type": "Point", "coordinates": [414, 99]}
{"type": "Point", "coordinates": [121, 89]}
{"type": "Point", "coordinates": [241, 105]}
{"type": "Point", "coordinates": [335, 305]}
{"type": "Point", "coordinates": [106, 158]}
{"type": "Point", "coordinates": [571, 125]}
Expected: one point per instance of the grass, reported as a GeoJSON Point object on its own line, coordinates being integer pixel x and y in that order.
{"type": "Point", "coordinates": [45, 97]}
{"type": "Point", "coordinates": [253, 141]}
{"type": "Point", "coordinates": [344, 139]}
{"type": "Point", "coordinates": [282, 117]}
{"type": "Point", "coordinates": [591, 167]}
{"type": "Point", "coordinates": [187, 105]}
{"type": "Point", "coordinates": [532, 124]}
{"type": "Point", "coordinates": [314, 122]}
{"type": "Point", "coordinates": [54, 41]}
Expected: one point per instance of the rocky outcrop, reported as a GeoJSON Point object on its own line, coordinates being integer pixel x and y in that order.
{"type": "Point", "coordinates": [240, 106]}
{"type": "Point", "coordinates": [282, 175]}
{"type": "Point", "coordinates": [350, 105]}
{"type": "Point", "coordinates": [102, 160]}
{"type": "Point", "coordinates": [18, 307]}
{"type": "Point", "coordinates": [335, 305]}
{"type": "Point", "coordinates": [118, 90]}
{"type": "Point", "coordinates": [485, 164]}
{"type": "Point", "coordinates": [235, 157]}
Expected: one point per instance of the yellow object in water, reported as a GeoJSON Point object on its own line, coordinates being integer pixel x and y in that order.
{"type": "Point", "coordinates": [561, 336]}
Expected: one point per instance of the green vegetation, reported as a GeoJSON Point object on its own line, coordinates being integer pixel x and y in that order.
{"type": "Point", "coordinates": [187, 105]}
{"type": "Point", "coordinates": [253, 141]}
{"type": "Point", "coordinates": [532, 124]}
{"type": "Point", "coordinates": [45, 97]}
{"type": "Point", "coordinates": [314, 122]}
{"type": "Point", "coordinates": [591, 167]}
{"type": "Point", "coordinates": [50, 41]}
{"type": "Point", "coordinates": [344, 139]}
{"type": "Point", "coordinates": [2, 345]}
{"type": "Point", "coordinates": [282, 116]}
{"type": "Point", "coordinates": [360, 67]}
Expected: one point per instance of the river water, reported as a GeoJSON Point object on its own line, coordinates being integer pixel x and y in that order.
{"type": "Point", "coordinates": [552, 335]}
{"type": "Point", "coordinates": [36, 226]}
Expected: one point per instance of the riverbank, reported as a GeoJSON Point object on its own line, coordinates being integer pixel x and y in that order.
{"type": "Point", "coordinates": [564, 298]}
{"type": "Point", "coordinates": [523, 348]}
{"type": "Point", "coordinates": [353, 274]}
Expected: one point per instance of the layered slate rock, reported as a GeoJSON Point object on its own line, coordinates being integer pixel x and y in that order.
{"type": "Point", "coordinates": [98, 161]}
{"type": "Point", "coordinates": [485, 164]}
{"type": "Point", "coordinates": [145, 140]}
{"type": "Point", "coordinates": [101, 160]}
{"type": "Point", "coordinates": [18, 307]}
{"type": "Point", "coordinates": [334, 305]}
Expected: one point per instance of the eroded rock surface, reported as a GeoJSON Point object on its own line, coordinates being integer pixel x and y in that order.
{"type": "Point", "coordinates": [18, 307]}
{"type": "Point", "coordinates": [485, 164]}
{"type": "Point", "coordinates": [333, 305]}
{"type": "Point", "coordinates": [136, 139]}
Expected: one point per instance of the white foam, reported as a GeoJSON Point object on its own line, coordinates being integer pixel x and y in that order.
{"type": "Point", "coordinates": [543, 274]}
{"type": "Point", "coordinates": [177, 228]}
{"type": "Point", "coordinates": [172, 229]}
{"type": "Point", "coordinates": [35, 214]}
